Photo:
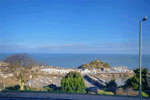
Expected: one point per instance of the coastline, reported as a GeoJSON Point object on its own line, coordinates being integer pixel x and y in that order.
{"type": "Point", "coordinates": [64, 60]}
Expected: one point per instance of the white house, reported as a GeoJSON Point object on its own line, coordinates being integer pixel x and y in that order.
{"type": "Point", "coordinates": [56, 70]}
{"type": "Point", "coordinates": [49, 70]}
{"type": "Point", "coordinates": [10, 74]}
{"type": "Point", "coordinates": [62, 71]}
{"type": "Point", "coordinates": [84, 71]}
{"type": "Point", "coordinates": [93, 71]}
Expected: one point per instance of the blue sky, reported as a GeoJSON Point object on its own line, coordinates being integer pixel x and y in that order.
{"type": "Point", "coordinates": [74, 26]}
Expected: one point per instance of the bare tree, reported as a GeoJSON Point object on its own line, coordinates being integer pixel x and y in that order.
{"type": "Point", "coordinates": [20, 65]}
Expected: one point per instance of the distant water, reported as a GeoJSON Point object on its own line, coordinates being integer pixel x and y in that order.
{"type": "Point", "coordinates": [75, 60]}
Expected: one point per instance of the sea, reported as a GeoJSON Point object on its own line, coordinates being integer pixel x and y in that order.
{"type": "Point", "coordinates": [74, 60]}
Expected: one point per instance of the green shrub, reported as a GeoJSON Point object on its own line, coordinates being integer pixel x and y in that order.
{"type": "Point", "coordinates": [32, 89]}
{"type": "Point", "coordinates": [105, 92]}
{"type": "Point", "coordinates": [134, 81]}
{"type": "Point", "coordinates": [111, 83]}
{"type": "Point", "coordinates": [101, 92]}
{"type": "Point", "coordinates": [73, 82]}
{"type": "Point", "coordinates": [48, 89]}
{"type": "Point", "coordinates": [144, 94]}
{"type": "Point", "coordinates": [109, 93]}
{"type": "Point", "coordinates": [11, 87]}
{"type": "Point", "coordinates": [91, 93]}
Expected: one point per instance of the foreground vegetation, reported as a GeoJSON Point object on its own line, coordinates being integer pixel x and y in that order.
{"type": "Point", "coordinates": [20, 66]}
{"type": "Point", "coordinates": [106, 92]}
{"type": "Point", "coordinates": [134, 81]}
{"type": "Point", "coordinates": [73, 82]}
{"type": "Point", "coordinates": [119, 92]}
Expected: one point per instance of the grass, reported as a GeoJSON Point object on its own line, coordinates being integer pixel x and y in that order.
{"type": "Point", "coordinates": [106, 92]}
{"type": "Point", "coordinates": [96, 64]}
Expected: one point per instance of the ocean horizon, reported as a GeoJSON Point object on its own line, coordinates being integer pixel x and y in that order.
{"type": "Point", "coordinates": [68, 60]}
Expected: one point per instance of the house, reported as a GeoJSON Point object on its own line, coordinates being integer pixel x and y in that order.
{"type": "Point", "coordinates": [56, 70]}
{"type": "Point", "coordinates": [10, 74]}
{"type": "Point", "coordinates": [122, 69]}
{"type": "Point", "coordinates": [61, 71]}
{"type": "Point", "coordinates": [84, 71]}
{"type": "Point", "coordinates": [49, 70]}
{"type": "Point", "coordinates": [65, 71]}
{"type": "Point", "coordinates": [94, 71]}
{"type": "Point", "coordinates": [77, 70]}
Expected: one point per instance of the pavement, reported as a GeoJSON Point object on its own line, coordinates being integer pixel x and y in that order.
{"type": "Point", "coordinates": [5, 98]}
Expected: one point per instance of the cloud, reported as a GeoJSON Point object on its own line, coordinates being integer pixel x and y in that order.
{"type": "Point", "coordinates": [103, 47]}
{"type": "Point", "coordinates": [13, 48]}
{"type": "Point", "coordinates": [109, 48]}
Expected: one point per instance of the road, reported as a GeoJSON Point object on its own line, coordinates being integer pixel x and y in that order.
{"type": "Point", "coordinates": [30, 99]}
{"type": "Point", "coordinates": [100, 98]}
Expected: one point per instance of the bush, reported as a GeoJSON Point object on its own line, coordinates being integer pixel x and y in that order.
{"type": "Point", "coordinates": [48, 89]}
{"type": "Point", "coordinates": [106, 92]}
{"type": "Point", "coordinates": [73, 82]}
{"type": "Point", "coordinates": [111, 83]}
{"type": "Point", "coordinates": [91, 93]}
{"type": "Point", "coordinates": [134, 81]}
{"type": "Point", "coordinates": [11, 87]}
{"type": "Point", "coordinates": [32, 89]}
{"type": "Point", "coordinates": [52, 86]}
{"type": "Point", "coordinates": [144, 94]}
{"type": "Point", "coordinates": [109, 93]}
{"type": "Point", "coordinates": [101, 92]}
{"type": "Point", "coordinates": [27, 88]}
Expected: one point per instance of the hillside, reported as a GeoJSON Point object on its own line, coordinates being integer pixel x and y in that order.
{"type": "Point", "coordinates": [95, 64]}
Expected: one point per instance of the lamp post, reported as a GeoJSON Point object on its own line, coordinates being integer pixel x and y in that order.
{"type": "Point", "coordinates": [140, 56]}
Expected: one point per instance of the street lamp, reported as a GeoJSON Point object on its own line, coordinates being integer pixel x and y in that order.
{"type": "Point", "coordinates": [140, 57]}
